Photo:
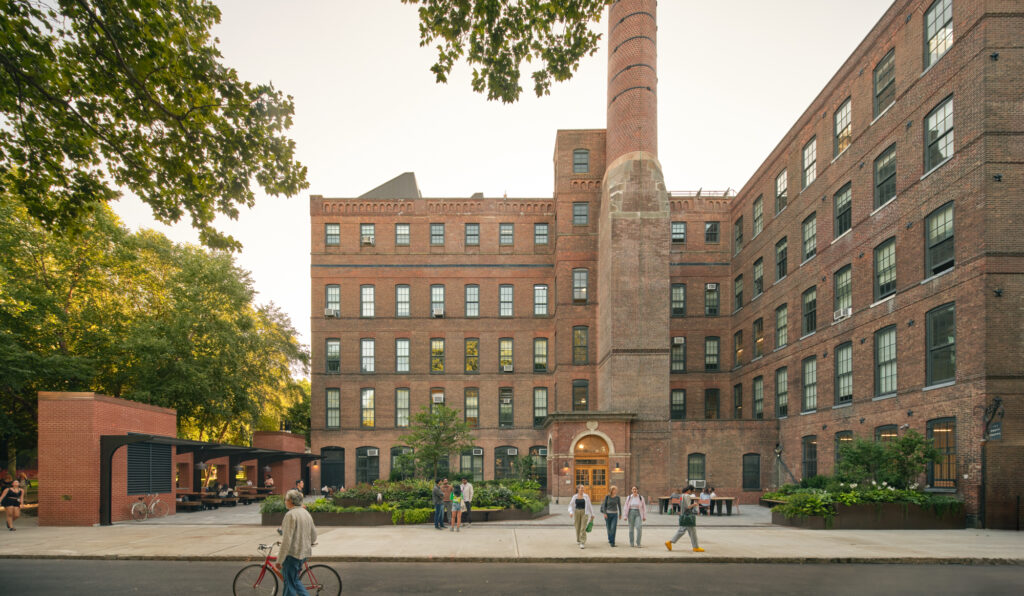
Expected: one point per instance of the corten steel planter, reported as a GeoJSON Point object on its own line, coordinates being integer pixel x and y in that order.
{"type": "Point", "coordinates": [383, 518]}
{"type": "Point", "coordinates": [880, 516]}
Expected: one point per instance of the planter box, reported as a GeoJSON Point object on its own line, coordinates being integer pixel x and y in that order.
{"type": "Point", "coordinates": [880, 516]}
{"type": "Point", "coordinates": [505, 515]}
{"type": "Point", "coordinates": [321, 518]}
{"type": "Point", "coordinates": [344, 502]}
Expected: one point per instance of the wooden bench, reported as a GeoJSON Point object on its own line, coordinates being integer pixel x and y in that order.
{"type": "Point", "coordinates": [187, 505]}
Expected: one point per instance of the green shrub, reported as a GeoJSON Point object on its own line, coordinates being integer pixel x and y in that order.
{"type": "Point", "coordinates": [814, 482]}
{"type": "Point", "coordinates": [807, 504]}
{"type": "Point", "coordinates": [273, 504]}
{"type": "Point", "coordinates": [412, 516]}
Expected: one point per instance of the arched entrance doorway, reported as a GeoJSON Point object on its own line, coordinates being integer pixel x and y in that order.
{"type": "Point", "coordinates": [591, 455]}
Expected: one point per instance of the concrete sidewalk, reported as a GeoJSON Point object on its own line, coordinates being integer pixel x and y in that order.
{"type": "Point", "coordinates": [548, 539]}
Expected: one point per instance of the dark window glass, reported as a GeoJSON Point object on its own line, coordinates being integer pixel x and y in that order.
{"type": "Point", "coordinates": [540, 406]}
{"type": "Point", "coordinates": [844, 373]}
{"type": "Point", "coordinates": [580, 161]}
{"type": "Point", "coordinates": [841, 208]}
{"type": "Point", "coordinates": [677, 404]}
{"type": "Point", "coordinates": [781, 392]}
{"type": "Point", "coordinates": [809, 446]}
{"type": "Point", "coordinates": [757, 398]}
{"type": "Point", "coordinates": [885, 361]}
{"type": "Point", "coordinates": [843, 438]}
{"type": "Point", "coordinates": [471, 409]}
{"type": "Point", "coordinates": [711, 232]}
{"type": "Point", "coordinates": [540, 233]}
{"type": "Point", "coordinates": [711, 300]}
{"type": "Point", "coordinates": [711, 356]}
{"type": "Point", "coordinates": [885, 176]}
{"type": "Point", "coordinates": [711, 404]}
{"type": "Point", "coordinates": [678, 354]}
{"type": "Point", "coordinates": [580, 395]}
{"type": "Point", "coordinates": [942, 432]}
{"type": "Point", "coordinates": [885, 82]}
{"type": "Point", "coordinates": [580, 214]}
{"type": "Point", "coordinates": [737, 401]}
{"type": "Point", "coordinates": [809, 162]}
{"type": "Point", "coordinates": [678, 300]}
{"type": "Point", "coordinates": [579, 345]}
{"type": "Point", "coordinates": [332, 234]}
{"type": "Point", "coordinates": [886, 433]}
{"type": "Point", "coordinates": [780, 259]}
{"type": "Point", "coordinates": [695, 467]}
{"type": "Point", "coordinates": [737, 236]}
{"type": "Point", "coordinates": [843, 290]}
{"type": "Point", "coordinates": [843, 129]}
{"type": "Point", "coordinates": [333, 355]}
{"type": "Point", "coordinates": [939, 254]}
{"type": "Point", "coordinates": [472, 234]}
{"type": "Point", "coordinates": [758, 277]}
{"type": "Point", "coordinates": [941, 365]}
{"type": "Point", "coordinates": [752, 471]}
{"type": "Point", "coordinates": [333, 401]}
{"type": "Point", "coordinates": [367, 464]}
{"type": "Point", "coordinates": [781, 186]}
{"type": "Point", "coordinates": [505, 413]}
{"type": "Point", "coordinates": [938, 135]}
{"type": "Point", "coordinates": [810, 316]}
{"type": "Point", "coordinates": [938, 30]}
{"type": "Point", "coordinates": [437, 234]}
{"type": "Point", "coordinates": [809, 234]}
{"type": "Point", "coordinates": [758, 335]}
{"type": "Point", "coordinates": [679, 232]}
{"type": "Point", "coordinates": [737, 288]}
{"type": "Point", "coordinates": [504, 460]}
{"type": "Point", "coordinates": [885, 269]}
{"type": "Point", "coordinates": [809, 384]}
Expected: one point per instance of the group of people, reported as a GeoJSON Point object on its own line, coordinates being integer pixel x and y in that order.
{"type": "Point", "coordinates": [450, 502]}
{"type": "Point", "coordinates": [704, 500]}
{"type": "Point", "coordinates": [633, 509]}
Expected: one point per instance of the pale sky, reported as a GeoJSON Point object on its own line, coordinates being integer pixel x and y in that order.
{"type": "Point", "coordinates": [733, 77]}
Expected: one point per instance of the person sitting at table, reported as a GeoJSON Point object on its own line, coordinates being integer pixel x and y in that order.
{"type": "Point", "coordinates": [674, 500]}
{"type": "Point", "coordinates": [705, 501]}
{"type": "Point", "coordinates": [269, 482]}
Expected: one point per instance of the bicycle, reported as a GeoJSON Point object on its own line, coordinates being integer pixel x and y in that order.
{"type": "Point", "coordinates": [143, 510]}
{"type": "Point", "coordinates": [319, 580]}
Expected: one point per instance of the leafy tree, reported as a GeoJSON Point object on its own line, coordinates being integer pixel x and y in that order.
{"type": "Point", "coordinates": [97, 95]}
{"type": "Point", "coordinates": [909, 456]}
{"type": "Point", "coordinates": [434, 435]}
{"type": "Point", "coordinates": [522, 467]}
{"type": "Point", "coordinates": [897, 462]}
{"type": "Point", "coordinates": [497, 36]}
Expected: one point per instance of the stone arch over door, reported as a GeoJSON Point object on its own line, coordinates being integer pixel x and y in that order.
{"type": "Point", "coordinates": [591, 452]}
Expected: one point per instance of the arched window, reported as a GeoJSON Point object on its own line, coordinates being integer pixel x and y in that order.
{"type": "Point", "coordinates": [402, 468]}
{"type": "Point", "coordinates": [332, 467]}
{"type": "Point", "coordinates": [504, 457]}
{"type": "Point", "coordinates": [367, 464]}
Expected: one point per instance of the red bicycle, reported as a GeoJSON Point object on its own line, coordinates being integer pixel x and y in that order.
{"type": "Point", "coordinates": [319, 580]}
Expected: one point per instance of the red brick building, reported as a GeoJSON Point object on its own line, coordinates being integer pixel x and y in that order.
{"type": "Point", "coordinates": [865, 280]}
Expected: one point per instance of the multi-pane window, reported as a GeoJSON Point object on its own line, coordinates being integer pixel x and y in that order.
{"type": "Point", "coordinates": [402, 407]}
{"type": "Point", "coordinates": [505, 412]}
{"type": "Point", "coordinates": [843, 129]}
{"type": "Point", "coordinates": [400, 470]}
{"type": "Point", "coordinates": [367, 466]}
{"type": "Point", "coordinates": [938, 134]}
{"type": "Point", "coordinates": [436, 399]}
{"type": "Point", "coordinates": [841, 210]}
{"type": "Point", "coordinates": [711, 232]}
{"type": "Point", "coordinates": [758, 398]}
{"type": "Point", "coordinates": [758, 336]}
{"type": "Point", "coordinates": [504, 460]}
{"type": "Point", "coordinates": [505, 300]}
{"type": "Point", "coordinates": [885, 269]}
{"type": "Point", "coordinates": [540, 300]}
{"type": "Point", "coordinates": [677, 404]}
{"type": "Point", "coordinates": [711, 347]}
{"type": "Point", "coordinates": [579, 345]}
{"type": "Point", "coordinates": [737, 401]}
{"type": "Point", "coordinates": [367, 362]}
{"type": "Point", "coordinates": [540, 354]}
{"type": "Point", "coordinates": [540, 406]}
{"type": "Point", "coordinates": [781, 259]}
{"type": "Point", "coordinates": [782, 392]}
{"type": "Point", "coordinates": [472, 463]}
{"type": "Point", "coordinates": [505, 354]}
{"type": "Point", "coordinates": [938, 255]}
{"type": "Point", "coordinates": [333, 355]}
{"type": "Point", "coordinates": [941, 356]}
{"type": "Point", "coordinates": [679, 232]}
{"type": "Point", "coordinates": [678, 354]}
{"type": "Point", "coordinates": [843, 438]}
{"type": "Point", "coordinates": [437, 355]}
{"type": "Point", "coordinates": [711, 300]}
{"type": "Point", "coordinates": [333, 297]}
{"type": "Point", "coordinates": [472, 234]}
{"type": "Point", "coordinates": [402, 355]}
{"type": "Point", "coordinates": [843, 282]}
{"type": "Point", "coordinates": [844, 373]}
{"type": "Point", "coordinates": [366, 301]}
{"type": "Point", "coordinates": [781, 186]}
{"type": "Point", "coordinates": [333, 398]}
{"type": "Point", "coordinates": [472, 300]}
{"type": "Point", "coordinates": [695, 467]}
{"type": "Point", "coordinates": [437, 234]}
{"type": "Point", "coordinates": [471, 406]}
{"type": "Point", "coordinates": [809, 445]}
{"type": "Point", "coordinates": [580, 395]}
{"type": "Point", "coordinates": [781, 326]}
{"type": "Point", "coordinates": [885, 82]}
{"type": "Point", "coordinates": [938, 30]}
{"type": "Point", "coordinates": [942, 432]}
{"type": "Point", "coordinates": [886, 433]}
{"type": "Point", "coordinates": [809, 235]}
{"type": "Point", "coordinates": [506, 234]}
{"type": "Point", "coordinates": [332, 234]}
{"type": "Point", "coordinates": [711, 406]}
{"type": "Point", "coordinates": [580, 161]}
{"type": "Point", "coordinates": [737, 293]}
{"type": "Point", "coordinates": [402, 234]}
{"type": "Point", "coordinates": [751, 471]}
{"type": "Point", "coordinates": [472, 355]}
{"type": "Point", "coordinates": [437, 301]}
{"type": "Point", "coordinates": [678, 299]}
{"type": "Point", "coordinates": [367, 234]}
{"type": "Point", "coordinates": [758, 216]}
{"type": "Point", "coordinates": [402, 308]}
{"type": "Point", "coordinates": [579, 285]}
{"type": "Point", "coordinates": [885, 176]}
{"type": "Point", "coordinates": [366, 408]}
{"type": "Point", "coordinates": [758, 277]}
{"type": "Point", "coordinates": [809, 385]}
{"type": "Point", "coordinates": [885, 361]}
{"type": "Point", "coordinates": [737, 348]}
{"type": "Point", "coordinates": [540, 233]}
{"type": "Point", "coordinates": [809, 300]}
{"type": "Point", "coordinates": [580, 214]}
{"type": "Point", "coordinates": [737, 236]}
{"type": "Point", "coordinates": [809, 163]}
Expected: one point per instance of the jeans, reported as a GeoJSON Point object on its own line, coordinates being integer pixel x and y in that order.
{"type": "Point", "coordinates": [438, 515]}
{"type": "Point", "coordinates": [467, 505]}
{"type": "Point", "coordinates": [290, 569]}
{"type": "Point", "coordinates": [611, 521]}
{"type": "Point", "coordinates": [637, 523]}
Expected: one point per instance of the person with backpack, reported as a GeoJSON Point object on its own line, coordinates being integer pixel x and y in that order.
{"type": "Point", "coordinates": [456, 501]}
{"type": "Point", "coordinates": [687, 521]}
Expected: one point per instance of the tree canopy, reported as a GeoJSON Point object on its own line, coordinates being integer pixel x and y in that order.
{"type": "Point", "coordinates": [497, 36]}
{"type": "Point", "coordinates": [434, 435]}
{"type": "Point", "coordinates": [97, 95]}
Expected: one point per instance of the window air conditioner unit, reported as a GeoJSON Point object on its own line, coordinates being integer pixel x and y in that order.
{"type": "Point", "coordinates": [372, 452]}
{"type": "Point", "coordinates": [437, 312]}
{"type": "Point", "coordinates": [698, 483]}
{"type": "Point", "coordinates": [367, 240]}
{"type": "Point", "coordinates": [678, 341]}
{"type": "Point", "coordinates": [506, 400]}
{"type": "Point", "coordinates": [543, 452]}
{"type": "Point", "coordinates": [438, 399]}
{"type": "Point", "coordinates": [513, 451]}
{"type": "Point", "coordinates": [478, 451]}
{"type": "Point", "coordinates": [842, 313]}
{"type": "Point", "coordinates": [506, 368]}
{"type": "Point", "coordinates": [331, 312]}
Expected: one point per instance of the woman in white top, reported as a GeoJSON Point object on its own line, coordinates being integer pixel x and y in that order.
{"type": "Point", "coordinates": [635, 510]}
{"type": "Point", "coordinates": [582, 513]}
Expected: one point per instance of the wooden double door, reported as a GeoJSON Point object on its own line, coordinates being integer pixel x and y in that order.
{"type": "Point", "coordinates": [592, 473]}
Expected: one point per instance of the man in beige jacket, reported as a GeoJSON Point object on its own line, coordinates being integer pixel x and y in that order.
{"type": "Point", "coordinates": [297, 537]}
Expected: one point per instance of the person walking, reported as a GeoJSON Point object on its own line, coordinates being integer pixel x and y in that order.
{"type": "Point", "coordinates": [467, 500]}
{"type": "Point", "coordinates": [635, 512]}
{"type": "Point", "coordinates": [582, 512]}
{"type": "Point", "coordinates": [610, 507]}
{"type": "Point", "coordinates": [456, 500]}
{"type": "Point", "coordinates": [11, 499]}
{"type": "Point", "coordinates": [437, 500]}
{"type": "Point", "coordinates": [297, 537]}
{"type": "Point", "coordinates": [687, 521]}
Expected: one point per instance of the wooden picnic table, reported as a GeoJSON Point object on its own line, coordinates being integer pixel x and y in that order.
{"type": "Point", "coordinates": [716, 505]}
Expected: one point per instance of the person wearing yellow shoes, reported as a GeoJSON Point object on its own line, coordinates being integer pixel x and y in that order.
{"type": "Point", "coordinates": [687, 520]}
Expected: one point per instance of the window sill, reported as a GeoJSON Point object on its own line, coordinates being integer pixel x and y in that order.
{"type": "Point", "coordinates": [756, 358]}
{"type": "Point", "coordinates": [756, 296]}
{"type": "Point", "coordinates": [936, 167]}
{"type": "Point", "coordinates": [932, 65]}
{"type": "Point", "coordinates": [808, 259]}
{"type": "Point", "coordinates": [939, 385]}
{"type": "Point", "coordinates": [841, 153]}
{"type": "Point", "coordinates": [779, 348]}
{"type": "Point", "coordinates": [883, 397]}
{"type": "Point", "coordinates": [806, 335]}
{"type": "Point", "coordinates": [737, 310]}
{"type": "Point", "coordinates": [782, 417]}
{"type": "Point", "coordinates": [779, 212]}
{"type": "Point", "coordinates": [936, 276]}
{"type": "Point", "coordinates": [814, 411]}
{"type": "Point", "coordinates": [883, 112]}
{"type": "Point", "coordinates": [882, 301]}
{"type": "Point", "coordinates": [839, 237]}
{"type": "Point", "coordinates": [783, 278]}
{"type": "Point", "coordinates": [882, 206]}
{"type": "Point", "coordinates": [847, 404]}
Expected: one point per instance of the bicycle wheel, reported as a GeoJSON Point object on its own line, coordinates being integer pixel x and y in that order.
{"type": "Point", "coordinates": [254, 579]}
{"type": "Point", "coordinates": [139, 511]}
{"type": "Point", "coordinates": [321, 580]}
{"type": "Point", "coordinates": [158, 509]}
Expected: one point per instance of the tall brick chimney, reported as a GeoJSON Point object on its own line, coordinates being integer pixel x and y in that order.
{"type": "Point", "coordinates": [632, 78]}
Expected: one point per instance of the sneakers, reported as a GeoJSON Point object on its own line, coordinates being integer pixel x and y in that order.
{"type": "Point", "coordinates": [697, 550]}
{"type": "Point", "coordinates": [668, 544]}
{"type": "Point", "coordinates": [457, 529]}
{"type": "Point", "coordinates": [581, 546]}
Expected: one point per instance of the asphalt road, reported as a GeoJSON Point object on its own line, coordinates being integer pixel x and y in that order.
{"type": "Point", "coordinates": [88, 578]}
